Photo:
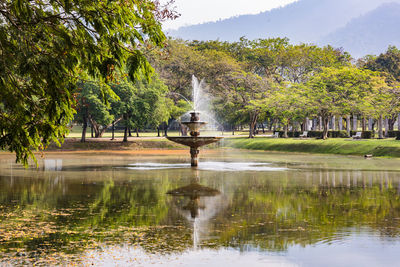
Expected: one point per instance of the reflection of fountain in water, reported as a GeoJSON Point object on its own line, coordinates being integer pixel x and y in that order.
{"type": "Point", "coordinates": [204, 203]}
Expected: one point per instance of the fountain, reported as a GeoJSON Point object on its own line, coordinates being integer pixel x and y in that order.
{"type": "Point", "coordinates": [194, 141]}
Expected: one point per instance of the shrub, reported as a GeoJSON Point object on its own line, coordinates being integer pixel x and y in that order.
{"type": "Point", "coordinates": [337, 134]}
{"type": "Point", "coordinates": [331, 134]}
{"type": "Point", "coordinates": [364, 134]}
{"type": "Point", "coordinates": [392, 133]}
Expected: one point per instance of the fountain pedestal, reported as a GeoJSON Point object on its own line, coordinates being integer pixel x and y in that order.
{"type": "Point", "coordinates": [194, 152]}
{"type": "Point", "coordinates": [194, 141]}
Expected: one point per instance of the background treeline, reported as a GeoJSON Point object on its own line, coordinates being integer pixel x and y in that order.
{"type": "Point", "coordinates": [261, 83]}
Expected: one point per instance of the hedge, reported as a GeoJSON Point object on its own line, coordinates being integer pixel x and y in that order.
{"type": "Point", "coordinates": [331, 134]}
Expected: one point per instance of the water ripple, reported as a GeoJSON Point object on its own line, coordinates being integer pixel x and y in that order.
{"type": "Point", "coordinates": [208, 166]}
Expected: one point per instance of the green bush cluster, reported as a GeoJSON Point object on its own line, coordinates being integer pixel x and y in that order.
{"type": "Point", "coordinates": [364, 134]}
{"type": "Point", "coordinates": [391, 133]}
{"type": "Point", "coordinates": [331, 134]}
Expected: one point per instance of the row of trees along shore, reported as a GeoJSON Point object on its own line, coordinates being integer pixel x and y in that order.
{"type": "Point", "coordinates": [93, 63]}
{"type": "Point", "coordinates": [256, 83]}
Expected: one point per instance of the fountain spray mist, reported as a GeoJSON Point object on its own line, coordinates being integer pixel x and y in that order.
{"type": "Point", "coordinates": [201, 102]}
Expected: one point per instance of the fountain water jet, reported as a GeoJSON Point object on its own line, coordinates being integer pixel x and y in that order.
{"type": "Point", "coordinates": [194, 141]}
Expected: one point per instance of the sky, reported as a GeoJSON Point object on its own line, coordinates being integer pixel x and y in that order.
{"type": "Point", "coordinates": [199, 11]}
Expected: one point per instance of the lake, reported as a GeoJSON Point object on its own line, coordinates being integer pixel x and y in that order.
{"type": "Point", "coordinates": [239, 207]}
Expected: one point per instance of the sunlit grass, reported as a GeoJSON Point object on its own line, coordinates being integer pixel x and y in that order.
{"type": "Point", "coordinates": [375, 147]}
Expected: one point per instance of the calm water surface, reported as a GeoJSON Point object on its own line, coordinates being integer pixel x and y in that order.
{"type": "Point", "coordinates": [238, 207]}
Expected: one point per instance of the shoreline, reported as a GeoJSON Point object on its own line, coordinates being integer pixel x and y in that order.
{"type": "Point", "coordinates": [160, 145]}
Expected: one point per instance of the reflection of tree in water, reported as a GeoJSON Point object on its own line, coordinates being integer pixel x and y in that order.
{"type": "Point", "coordinates": [71, 216]}
{"type": "Point", "coordinates": [53, 213]}
{"type": "Point", "coordinates": [274, 217]}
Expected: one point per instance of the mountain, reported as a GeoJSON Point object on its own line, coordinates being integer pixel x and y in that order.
{"type": "Point", "coordinates": [371, 33]}
{"type": "Point", "coordinates": [302, 21]}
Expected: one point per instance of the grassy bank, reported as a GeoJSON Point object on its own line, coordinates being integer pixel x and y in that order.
{"type": "Point", "coordinates": [377, 148]}
{"type": "Point", "coordinates": [73, 144]}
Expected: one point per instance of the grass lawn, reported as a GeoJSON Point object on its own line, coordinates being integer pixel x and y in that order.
{"type": "Point", "coordinates": [76, 132]}
{"type": "Point", "coordinates": [375, 147]}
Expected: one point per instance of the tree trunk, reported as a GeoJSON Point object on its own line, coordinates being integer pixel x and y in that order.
{"type": "Point", "coordinates": [380, 131]}
{"type": "Point", "coordinates": [348, 118]}
{"type": "Point", "coordinates": [129, 131]}
{"type": "Point", "coordinates": [137, 132]}
{"type": "Point", "coordinates": [95, 127]}
{"type": "Point", "coordinates": [251, 129]}
{"type": "Point", "coordinates": [325, 121]}
{"type": "Point", "coordinates": [91, 131]}
{"type": "Point", "coordinates": [113, 131]}
{"type": "Point", "coordinates": [126, 134]}
{"type": "Point", "coordinates": [183, 130]}
{"type": "Point", "coordinates": [370, 123]}
{"type": "Point", "coordinates": [233, 129]}
{"type": "Point", "coordinates": [386, 121]}
{"type": "Point", "coordinates": [364, 124]}
{"type": "Point", "coordinates": [307, 123]}
{"type": "Point", "coordinates": [252, 124]}
{"type": "Point", "coordinates": [285, 129]}
{"type": "Point", "coordinates": [355, 123]}
{"type": "Point", "coordinates": [165, 129]}
{"type": "Point", "coordinates": [398, 122]}
{"type": "Point", "coordinates": [340, 123]}
{"type": "Point", "coordinates": [315, 124]}
{"type": "Point", "coordinates": [392, 121]}
{"type": "Point", "coordinates": [320, 123]}
{"type": "Point", "coordinates": [100, 133]}
{"type": "Point", "coordinates": [158, 131]}
{"type": "Point", "coordinates": [271, 123]}
{"type": "Point", "coordinates": [84, 127]}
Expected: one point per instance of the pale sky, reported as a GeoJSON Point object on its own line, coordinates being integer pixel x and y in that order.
{"type": "Point", "coordinates": [199, 11]}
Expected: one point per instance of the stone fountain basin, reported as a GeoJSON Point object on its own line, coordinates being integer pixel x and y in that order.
{"type": "Point", "coordinates": [194, 141]}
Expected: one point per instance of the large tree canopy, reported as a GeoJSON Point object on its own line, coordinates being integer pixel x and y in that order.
{"type": "Point", "coordinates": [45, 45]}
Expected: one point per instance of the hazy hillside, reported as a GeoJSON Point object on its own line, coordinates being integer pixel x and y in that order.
{"type": "Point", "coordinates": [369, 34]}
{"type": "Point", "coordinates": [302, 21]}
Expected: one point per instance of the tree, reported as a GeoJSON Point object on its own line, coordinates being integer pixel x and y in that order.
{"type": "Point", "coordinates": [246, 91]}
{"type": "Point", "coordinates": [340, 91]}
{"type": "Point", "coordinates": [176, 63]}
{"type": "Point", "coordinates": [298, 62]}
{"type": "Point", "coordinates": [287, 103]}
{"type": "Point", "coordinates": [151, 105]}
{"type": "Point", "coordinates": [46, 45]}
{"type": "Point", "coordinates": [389, 65]}
{"type": "Point", "coordinates": [92, 108]}
{"type": "Point", "coordinates": [383, 101]}
{"type": "Point", "coordinates": [125, 105]}
{"type": "Point", "coordinates": [142, 103]}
